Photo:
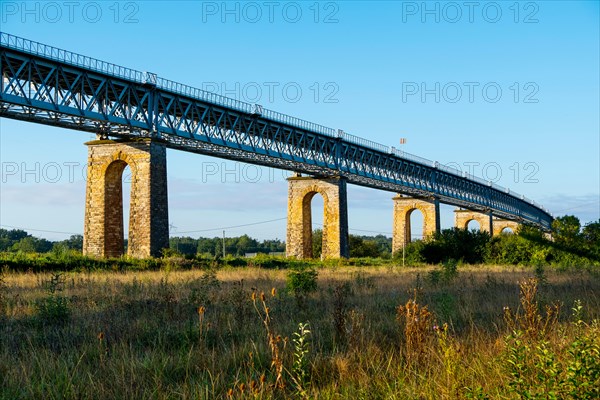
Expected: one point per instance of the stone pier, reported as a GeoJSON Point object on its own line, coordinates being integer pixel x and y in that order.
{"type": "Point", "coordinates": [487, 223]}
{"type": "Point", "coordinates": [501, 224]}
{"type": "Point", "coordinates": [463, 217]}
{"type": "Point", "coordinates": [148, 216]}
{"type": "Point", "coordinates": [301, 190]}
{"type": "Point", "coordinates": [403, 208]}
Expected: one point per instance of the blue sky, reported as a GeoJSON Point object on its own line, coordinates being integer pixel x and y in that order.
{"type": "Point", "coordinates": [509, 91]}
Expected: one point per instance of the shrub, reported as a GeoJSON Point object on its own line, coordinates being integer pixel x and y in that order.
{"type": "Point", "coordinates": [53, 308]}
{"type": "Point", "coordinates": [457, 244]}
{"type": "Point", "coordinates": [300, 281]}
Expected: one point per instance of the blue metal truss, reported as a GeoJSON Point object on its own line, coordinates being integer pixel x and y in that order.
{"type": "Point", "coordinates": [43, 84]}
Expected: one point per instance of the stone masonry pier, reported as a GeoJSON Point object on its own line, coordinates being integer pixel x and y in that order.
{"type": "Point", "coordinates": [148, 217]}
{"type": "Point", "coordinates": [301, 191]}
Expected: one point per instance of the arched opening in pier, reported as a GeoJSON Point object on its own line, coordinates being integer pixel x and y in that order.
{"type": "Point", "coordinates": [415, 225]}
{"type": "Point", "coordinates": [507, 231]}
{"type": "Point", "coordinates": [473, 225]}
{"type": "Point", "coordinates": [126, 193]}
{"type": "Point", "coordinates": [316, 215]}
{"type": "Point", "coordinates": [115, 188]}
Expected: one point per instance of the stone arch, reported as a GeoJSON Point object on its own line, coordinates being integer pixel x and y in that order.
{"type": "Point", "coordinates": [501, 224]}
{"type": "Point", "coordinates": [148, 217]}
{"type": "Point", "coordinates": [467, 223]}
{"type": "Point", "coordinates": [408, 223]}
{"type": "Point", "coordinates": [463, 217]}
{"type": "Point", "coordinates": [403, 207]}
{"type": "Point", "coordinates": [307, 196]}
{"type": "Point", "coordinates": [113, 208]}
{"type": "Point", "coordinates": [301, 191]}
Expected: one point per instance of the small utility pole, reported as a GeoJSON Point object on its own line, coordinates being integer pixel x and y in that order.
{"type": "Point", "coordinates": [402, 143]}
{"type": "Point", "coordinates": [223, 244]}
{"type": "Point", "coordinates": [403, 247]}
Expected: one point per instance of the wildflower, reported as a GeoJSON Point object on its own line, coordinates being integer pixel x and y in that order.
{"type": "Point", "coordinates": [273, 292]}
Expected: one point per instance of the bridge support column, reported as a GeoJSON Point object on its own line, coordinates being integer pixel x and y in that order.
{"type": "Point", "coordinates": [463, 217]}
{"type": "Point", "coordinates": [148, 215]}
{"type": "Point", "coordinates": [301, 190]}
{"type": "Point", "coordinates": [403, 208]}
{"type": "Point", "coordinates": [501, 224]}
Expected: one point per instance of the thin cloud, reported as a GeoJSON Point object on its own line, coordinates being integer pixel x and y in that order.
{"type": "Point", "coordinates": [586, 207]}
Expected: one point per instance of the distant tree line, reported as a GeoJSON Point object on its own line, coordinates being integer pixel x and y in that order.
{"type": "Point", "coordinates": [236, 246]}
{"type": "Point", "coordinates": [360, 246]}
{"type": "Point", "coordinates": [19, 240]}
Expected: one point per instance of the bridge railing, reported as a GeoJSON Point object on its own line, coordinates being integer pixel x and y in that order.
{"type": "Point", "coordinates": [365, 143]}
{"type": "Point", "coordinates": [204, 95]}
{"type": "Point", "coordinates": [69, 57]}
{"type": "Point", "coordinates": [297, 122]}
{"type": "Point", "coordinates": [412, 157]}
{"type": "Point", "coordinates": [451, 170]}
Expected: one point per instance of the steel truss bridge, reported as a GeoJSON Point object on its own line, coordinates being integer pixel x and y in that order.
{"type": "Point", "coordinates": [47, 85]}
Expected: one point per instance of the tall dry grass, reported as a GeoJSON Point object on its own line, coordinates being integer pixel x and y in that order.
{"type": "Point", "coordinates": [374, 332]}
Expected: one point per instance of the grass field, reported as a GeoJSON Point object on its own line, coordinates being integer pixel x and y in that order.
{"type": "Point", "coordinates": [365, 333]}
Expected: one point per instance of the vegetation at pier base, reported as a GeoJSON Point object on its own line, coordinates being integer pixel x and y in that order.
{"type": "Point", "coordinates": [358, 332]}
{"type": "Point", "coordinates": [571, 245]}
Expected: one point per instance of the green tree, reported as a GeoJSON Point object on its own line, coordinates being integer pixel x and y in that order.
{"type": "Point", "coordinates": [268, 246]}
{"type": "Point", "coordinates": [591, 236]}
{"type": "Point", "coordinates": [74, 242]}
{"type": "Point", "coordinates": [245, 244]}
{"type": "Point", "coordinates": [9, 238]}
{"type": "Point", "coordinates": [360, 247]}
{"type": "Point", "coordinates": [591, 233]}
{"type": "Point", "coordinates": [566, 230]}
{"type": "Point", "coordinates": [32, 244]}
{"type": "Point", "coordinates": [184, 245]}
{"type": "Point", "coordinates": [210, 246]}
{"type": "Point", "coordinates": [530, 232]}
{"type": "Point", "coordinates": [317, 243]}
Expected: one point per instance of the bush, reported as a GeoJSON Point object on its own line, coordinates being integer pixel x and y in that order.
{"type": "Point", "coordinates": [458, 244]}
{"type": "Point", "coordinates": [300, 281]}
{"type": "Point", "coordinates": [54, 308]}
{"type": "Point", "coordinates": [412, 253]}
